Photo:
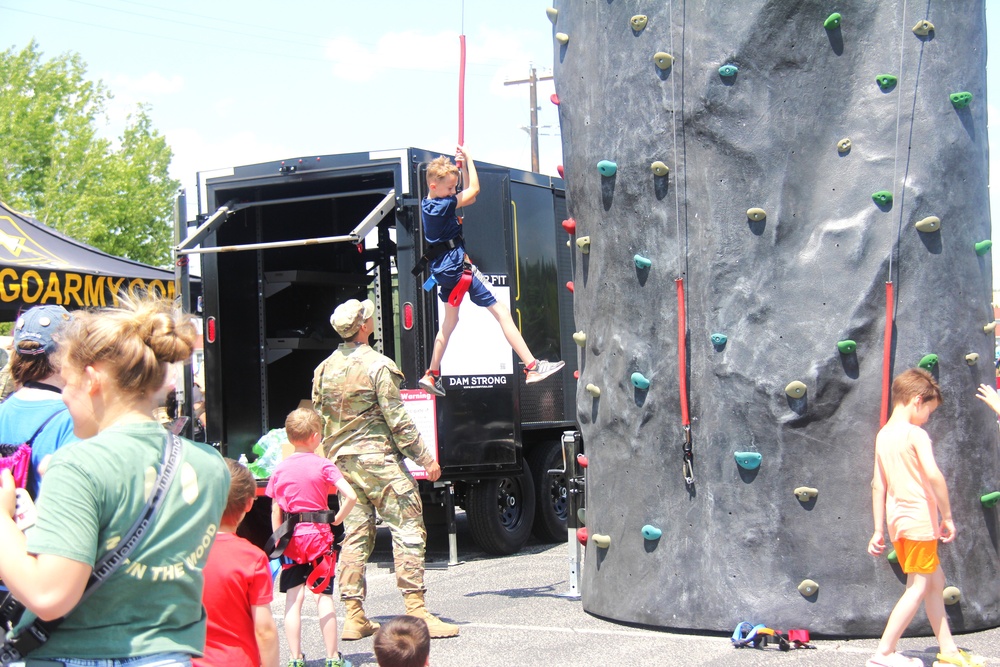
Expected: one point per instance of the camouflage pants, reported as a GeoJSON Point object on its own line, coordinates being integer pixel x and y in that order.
{"type": "Point", "coordinates": [382, 483]}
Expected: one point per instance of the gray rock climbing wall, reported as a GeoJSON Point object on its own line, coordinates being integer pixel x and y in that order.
{"type": "Point", "coordinates": [783, 289]}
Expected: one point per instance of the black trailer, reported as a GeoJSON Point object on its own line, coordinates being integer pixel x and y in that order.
{"type": "Point", "coordinates": [283, 243]}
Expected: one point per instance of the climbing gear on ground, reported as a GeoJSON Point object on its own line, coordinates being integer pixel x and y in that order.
{"type": "Point", "coordinates": [356, 624]}
{"type": "Point", "coordinates": [415, 607]}
{"type": "Point", "coordinates": [542, 370]}
{"type": "Point", "coordinates": [432, 384]}
{"type": "Point", "coordinates": [758, 636]}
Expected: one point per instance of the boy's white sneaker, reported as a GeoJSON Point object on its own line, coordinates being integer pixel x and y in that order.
{"type": "Point", "coordinates": [542, 370]}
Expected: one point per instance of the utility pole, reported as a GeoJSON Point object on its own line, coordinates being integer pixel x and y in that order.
{"type": "Point", "coordinates": [532, 82]}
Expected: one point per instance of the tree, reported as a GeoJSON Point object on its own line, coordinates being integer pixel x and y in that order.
{"type": "Point", "coordinates": [57, 167]}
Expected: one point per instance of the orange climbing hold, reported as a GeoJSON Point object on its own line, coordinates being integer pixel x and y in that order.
{"type": "Point", "coordinates": [555, 99]}
{"type": "Point", "coordinates": [582, 460]}
{"type": "Point", "coordinates": [569, 224]}
{"type": "Point", "coordinates": [569, 286]}
{"type": "Point", "coordinates": [581, 536]}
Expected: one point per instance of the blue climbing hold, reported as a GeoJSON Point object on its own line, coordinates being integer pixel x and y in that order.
{"type": "Point", "coordinates": [651, 532]}
{"type": "Point", "coordinates": [719, 339]}
{"type": "Point", "coordinates": [607, 168]}
{"type": "Point", "coordinates": [748, 460]}
{"type": "Point", "coordinates": [640, 381]}
{"type": "Point", "coordinates": [642, 262]}
{"type": "Point", "coordinates": [728, 70]}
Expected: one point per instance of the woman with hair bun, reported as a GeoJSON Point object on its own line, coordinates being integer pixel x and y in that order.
{"type": "Point", "coordinates": [149, 611]}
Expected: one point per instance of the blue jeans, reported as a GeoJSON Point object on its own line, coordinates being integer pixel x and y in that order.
{"type": "Point", "coordinates": [155, 660]}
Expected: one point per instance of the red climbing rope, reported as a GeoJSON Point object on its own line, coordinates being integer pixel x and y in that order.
{"type": "Point", "coordinates": [886, 353]}
{"type": "Point", "coordinates": [461, 93]}
{"type": "Point", "coordinates": [682, 350]}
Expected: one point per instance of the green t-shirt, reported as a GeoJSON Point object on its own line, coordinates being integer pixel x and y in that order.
{"type": "Point", "coordinates": [91, 494]}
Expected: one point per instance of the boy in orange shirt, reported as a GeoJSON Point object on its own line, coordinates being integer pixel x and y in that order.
{"type": "Point", "coordinates": [910, 492]}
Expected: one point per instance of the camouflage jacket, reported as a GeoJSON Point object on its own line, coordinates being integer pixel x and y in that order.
{"type": "Point", "coordinates": [356, 390]}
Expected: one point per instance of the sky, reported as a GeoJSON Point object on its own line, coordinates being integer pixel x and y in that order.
{"type": "Point", "coordinates": [238, 82]}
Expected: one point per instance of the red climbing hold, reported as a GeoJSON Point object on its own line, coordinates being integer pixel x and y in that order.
{"type": "Point", "coordinates": [582, 460]}
{"type": "Point", "coordinates": [569, 224]}
{"type": "Point", "coordinates": [561, 170]}
{"type": "Point", "coordinates": [576, 375]}
{"type": "Point", "coordinates": [569, 286]}
{"type": "Point", "coordinates": [581, 536]}
{"type": "Point", "coordinates": [555, 99]}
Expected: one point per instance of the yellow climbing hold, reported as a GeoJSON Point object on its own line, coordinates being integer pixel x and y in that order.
{"type": "Point", "coordinates": [659, 168]}
{"type": "Point", "coordinates": [638, 22]}
{"type": "Point", "coordinates": [844, 145]}
{"type": "Point", "coordinates": [989, 328]}
{"type": "Point", "coordinates": [593, 390]}
{"type": "Point", "coordinates": [552, 13]}
{"type": "Point", "coordinates": [756, 214]}
{"type": "Point", "coordinates": [602, 541]}
{"type": "Point", "coordinates": [663, 60]}
{"type": "Point", "coordinates": [580, 338]}
{"type": "Point", "coordinates": [808, 587]}
{"type": "Point", "coordinates": [931, 223]}
{"type": "Point", "coordinates": [972, 358]}
{"type": "Point", "coordinates": [562, 38]}
{"type": "Point", "coordinates": [583, 243]}
{"type": "Point", "coordinates": [952, 595]}
{"type": "Point", "coordinates": [923, 28]}
{"type": "Point", "coordinates": [796, 389]}
{"type": "Point", "coordinates": [805, 493]}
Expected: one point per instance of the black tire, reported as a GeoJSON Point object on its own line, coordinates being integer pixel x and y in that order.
{"type": "Point", "coordinates": [500, 512]}
{"type": "Point", "coordinates": [551, 497]}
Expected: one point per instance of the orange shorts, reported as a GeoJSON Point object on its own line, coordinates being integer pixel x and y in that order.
{"type": "Point", "coordinates": [917, 557]}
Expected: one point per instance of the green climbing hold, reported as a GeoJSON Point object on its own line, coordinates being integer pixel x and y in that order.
{"type": "Point", "coordinates": [756, 214]}
{"type": "Point", "coordinates": [719, 339]}
{"type": "Point", "coordinates": [931, 223]}
{"type": "Point", "coordinates": [892, 556]}
{"type": "Point", "coordinates": [728, 70]}
{"type": "Point", "coordinates": [552, 13]}
{"type": "Point", "coordinates": [808, 587]}
{"type": "Point", "coordinates": [607, 168]}
{"type": "Point", "coordinates": [651, 532]}
{"type": "Point", "coordinates": [961, 100]}
{"type": "Point", "coordinates": [640, 381]}
{"type": "Point", "coordinates": [886, 82]}
{"type": "Point", "coordinates": [832, 21]}
{"type": "Point", "coordinates": [990, 327]}
{"type": "Point", "coordinates": [642, 262]}
{"type": "Point", "coordinates": [796, 389]}
{"type": "Point", "coordinates": [663, 60]}
{"type": "Point", "coordinates": [990, 499]}
{"type": "Point", "coordinates": [748, 460]}
{"type": "Point", "coordinates": [983, 247]}
{"type": "Point", "coordinates": [602, 541]}
{"type": "Point", "coordinates": [928, 362]}
{"type": "Point", "coordinates": [923, 28]}
{"type": "Point", "coordinates": [638, 22]}
{"type": "Point", "coordinates": [562, 38]}
{"type": "Point", "coordinates": [844, 145]}
{"type": "Point", "coordinates": [882, 197]}
{"type": "Point", "coordinates": [847, 346]}
{"type": "Point", "coordinates": [659, 168]}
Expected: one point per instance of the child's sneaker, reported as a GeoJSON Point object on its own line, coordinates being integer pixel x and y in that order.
{"type": "Point", "coordinates": [432, 384]}
{"type": "Point", "coordinates": [962, 659]}
{"type": "Point", "coordinates": [542, 370]}
{"type": "Point", "coordinates": [297, 662]}
{"type": "Point", "coordinates": [339, 661]}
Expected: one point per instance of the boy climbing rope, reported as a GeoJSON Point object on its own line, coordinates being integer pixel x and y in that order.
{"type": "Point", "coordinates": [454, 273]}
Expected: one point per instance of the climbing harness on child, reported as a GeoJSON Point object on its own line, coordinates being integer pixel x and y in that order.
{"type": "Point", "coordinates": [323, 564]}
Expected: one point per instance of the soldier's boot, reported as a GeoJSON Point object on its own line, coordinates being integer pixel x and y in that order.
{"type": "Point", "coordinates": [437, 628]}
{"type": "Point", "coordinates": [357, 625]}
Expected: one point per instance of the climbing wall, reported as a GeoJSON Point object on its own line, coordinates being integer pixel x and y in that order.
{"type": "Point", "coordinates": [772, 165]}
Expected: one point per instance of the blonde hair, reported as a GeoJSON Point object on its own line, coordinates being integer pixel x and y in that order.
{"type": "Point", "coordinates": [242, 487]}
{"type": "Point", "coordinates": [439, 168]}
{"type": "Point", "coordinates": [134, 341]}
{"type": "Point", "coordinates": [912, 383]}
{"type": "Point", "coordinates": [301, 424]}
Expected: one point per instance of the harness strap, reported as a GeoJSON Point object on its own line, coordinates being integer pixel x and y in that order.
{"type": "Point", "coordinates": [436, 250]}
{"type": "Point", "coordinates": [460, 289]}
{"type": "Point", "coordinates": [278, 542]}
{"type": "Point", "coordinates": [322, 571]}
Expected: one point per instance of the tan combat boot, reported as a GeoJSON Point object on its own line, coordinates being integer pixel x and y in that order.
{"type": "Point", "coordinates": [357, 625]}
{"type": "Point", "coordinates": [437, 627]}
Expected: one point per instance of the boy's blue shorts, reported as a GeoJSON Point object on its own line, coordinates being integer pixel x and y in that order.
{"type": "Point", "coordinates": [479, 292]}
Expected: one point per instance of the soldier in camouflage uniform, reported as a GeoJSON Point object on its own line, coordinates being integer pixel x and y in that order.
{"type": "Point", "coordinates": [367, 433]}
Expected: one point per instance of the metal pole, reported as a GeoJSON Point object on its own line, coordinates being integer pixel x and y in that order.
{"type": "Point", "coordinates": [533, 101]}
{"type": "Point", "coordinates": [574, 482]}
{"type": "Point", "coordinates": [449, 513]}
{"type": "Point", "coordinates": [182, 291]}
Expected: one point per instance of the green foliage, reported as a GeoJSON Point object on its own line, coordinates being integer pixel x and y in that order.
{"type": "Point", "coordinates": [118, 198]}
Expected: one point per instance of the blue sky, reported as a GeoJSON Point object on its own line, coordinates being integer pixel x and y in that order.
{"type": "Point", "coordinates": [233, 83]}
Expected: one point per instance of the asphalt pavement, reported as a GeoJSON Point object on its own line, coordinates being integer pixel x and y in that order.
{"type": "Point", "coordinates": [512, 611]}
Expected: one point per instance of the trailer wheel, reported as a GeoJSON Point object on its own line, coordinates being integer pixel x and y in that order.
{"type": "Point", "coordinates": [551, 496]}
{"type": "Point", "coordinates": [500, 512]}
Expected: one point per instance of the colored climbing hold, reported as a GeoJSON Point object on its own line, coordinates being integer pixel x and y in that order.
{"type": "Point", "coordinates": [580, 338]}
{"type": "Point", "coordinates": [663, 60]}
{"type": "Point", "coordinates": [808, 587]}
{"type": "Point", "coordinates": [638, 22]}
{"type": "Point", "coordinates": [569, 244]}
{"type": "Point", "coordinates": [583, 243]}
{"type": "Point", "coordinates": [805, 493]}
{"type": "Point", "coordinates": [972, 358]}
{"type": "Point", "coordinates": [983, 247]}
{"type": "Point", "coordinates": [640, 381]}
{"type": "Point", "coordinates": [607, 168]}
{"type": "Point", "coordinates": [952, 595]}
{"type": "Point", "coordinates": [728, 70]}
{"type": "Point", "coordinates": [593, 390]}
{"type": "Point", "coordinates": [748, 460]}
{"type": "Point", "coordinates": [961, 100]}
{"type": "Point", "coordinates": [892, 556]}
{"type": "Point", "coordinates": [582, 460]}
{"type": "Point", "coordinates": [844, 145]}
{"type": "Point", "coordinates": [581, 536]}
{"type": "Point", "coordinates": [569, 224]}
{"type": "Point", "coordinates": [886, 82]}
{"type": "Point", "coordinates": [847, 346]}
{"type": "Point", "coordinates": [552, 13]}
{"type": "Point", "coordinates": [756, 214]}
{"type": "Point", "coordinates": [832, 21]}
{"type": "Point", "coordinates": [642, 262]}
{"type": "Point", "coordinates": [554, 98]}
{"type": "Point", "coordinates": [882, 197]}
{"type": "Point", "coordinates": [561, 170]}
{"type": "Point", "coordinates": [931, 223]}
{"type": "Point", "coordinates": [581, 515]}
{"type": "Point", "coordinates": [990, 327]}
{"type": "Point", "coordinates": [569, 286]}
{"type": "Point", "coordinates": [576, 374]}
{"type": "Point", "coordinates": [651, 532]}
{"type": "Point", "coordinates": [796, 389]}
{"type": "Point", "coordinates": [719, 339]}
{"type": "Point", "coordinates": [659, 168]}
{"type": "Point", "coordinates": [562, 38]}
{"type": "Point", "coordinates": [990, 499]}
{"type": "Point", "coordinates": [602, 541]}
{"type": "Point", "coordinates": [923, 28]}
{"type": "Point", "coordinates": [928, 362]}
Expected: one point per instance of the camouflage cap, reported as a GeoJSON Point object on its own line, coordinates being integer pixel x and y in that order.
{"type": "Point", "coordinates": [350, 315]}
